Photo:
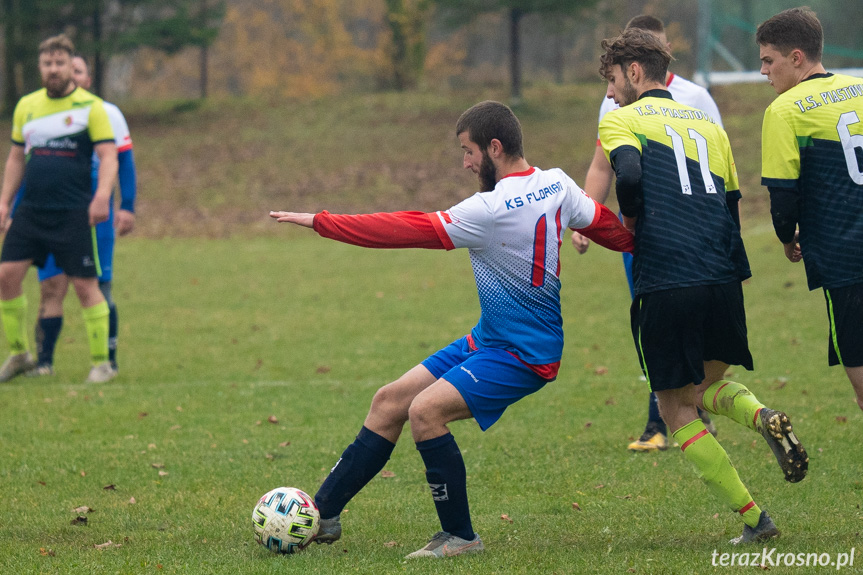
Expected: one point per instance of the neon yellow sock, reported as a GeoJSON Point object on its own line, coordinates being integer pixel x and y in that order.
{"type": "Point", "coordinates": [714, 468]}
{"type": "Point", "coordinates": [733, 400]}
{"type": "Point", "coordinates": [96, 322]}
{"type": "Point", "coordinates": [14, 314]}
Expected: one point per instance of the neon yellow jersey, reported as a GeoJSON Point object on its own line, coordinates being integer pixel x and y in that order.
{"type": "Point", "coordinates": [58, 135]}
{"type": "Point", "coordinates": [812, 140]}
{"type": "Point", "coordinates": [685, 235]}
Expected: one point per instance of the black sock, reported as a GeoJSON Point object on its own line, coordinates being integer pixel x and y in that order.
{"type": "Point", "coordinates": [47, 334]}
{"type": "Point", "coordinates": [360, 462]}
{"type": "Point", "coordinates": [447, 479]}
{"type": "Point", "coordinates": [653, 416]}
{"type": "Point", "coordinates": [112, 336]}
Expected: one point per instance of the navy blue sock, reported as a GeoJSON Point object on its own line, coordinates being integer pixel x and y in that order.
{"type": "Point", "coordinates": [47, 334]}
{"type": "Point", "coordinates": [447, 479]}
{"type": "Point", "coordinates": [653, 414]}
{"type": "Point", "coordinates": [360, 462]}
{"type": "Point", "coordinates": [112, 336]}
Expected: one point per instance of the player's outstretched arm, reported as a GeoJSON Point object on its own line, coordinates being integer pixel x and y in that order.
{"type": "Point", "coordinates": [301, 219]}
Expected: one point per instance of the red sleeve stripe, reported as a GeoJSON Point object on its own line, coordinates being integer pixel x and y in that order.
{"type": "Point", "coordinates": [440, 230]}
{"type": "Point", "coordinates": [746, 507]}
{"type": "Point", "coordinates": [692, 440]}
{"type": "Point", "coordinates": [755, 419]}
{"type": "Point", "coordinates": [559, 226]}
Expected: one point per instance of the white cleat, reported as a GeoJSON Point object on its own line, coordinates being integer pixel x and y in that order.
{"type": "Point", "coordinates": [15, 365]}
{"type": "Point", "coordinates": [101, 373]}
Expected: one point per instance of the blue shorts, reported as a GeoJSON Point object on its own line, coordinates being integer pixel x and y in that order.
{"type": "Point", "coordinates": [489, 380]}
{"type": "Point", "coordinates": [105, 248]}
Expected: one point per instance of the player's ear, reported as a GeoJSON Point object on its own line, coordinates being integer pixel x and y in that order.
{"type": "Point", "coordinates": [495, 148]}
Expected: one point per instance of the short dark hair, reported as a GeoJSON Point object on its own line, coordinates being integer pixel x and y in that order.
{"type": "Point", "coordinates": [58, 43]}
{"type": "Point", "coordinates": [636, 45]}
{"type": "Point", "coordinates": [793, 29]}
{"type": "Point", "coordinates": [491, 120]}
{"type": "Point", "coordinates": [647, 22]}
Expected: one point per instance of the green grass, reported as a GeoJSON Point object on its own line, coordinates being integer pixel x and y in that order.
{"type": "Point", "coordinates": [218, 335]}
{"type": "Point", "coordinates": [228, 318]}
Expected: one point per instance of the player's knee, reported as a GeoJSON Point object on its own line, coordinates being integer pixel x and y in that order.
{"type": "Point", "coordinates": [387, 403]}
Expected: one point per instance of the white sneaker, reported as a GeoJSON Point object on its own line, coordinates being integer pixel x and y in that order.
{"type": "Point", "coordinates": [445, 544]}
{"type": "Point", "coordinates": [40, 371]}
{"type": "Point", "coordinates": [15, 365]}
{"type": "Point", "coordinates": [101, 373]}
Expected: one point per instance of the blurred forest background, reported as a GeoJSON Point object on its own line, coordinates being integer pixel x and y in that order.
{"type": "Point", "coordinates": [302, 49]}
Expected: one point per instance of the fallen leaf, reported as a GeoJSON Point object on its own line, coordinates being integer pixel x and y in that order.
{"type": "Point", "coordinates": [624, 496]}
{"type": "Point", "coordinates": [142, 415]}
{"type": "Point", "coordinates": [157, 465]}
{"type": "Point", "coordinates": [600, 370]}
{"type": "Point", "coordinates": [83, 474]}
{"type": "Point", "coordinates": [132, 501]}
{"type": "Point", "coordinates": [655, 464]}
{"type": "Point", "coordinates": [176, 427]}
{"type": "Point", "coordinates": [83, 509]}
{"type": "Point", "coordinates": [258, 422]}
{"type": "Point", "coordinates": [258, 365]}
{"type": "Point", "coordinates": [110, 487]}
{"type": "Point", "coordinates": [505, 517]}
{"type": "Point", "coordinates": [716, 515]}
{"type": "Point", "coordinates": [284, 444]}
{"type": "Point", "coordinates": [391, 544]}
{"type": "Point", "coordinates": [151, 446]}
{"type": "Point", "coordinates": [41, 483]}
{"type": "Point", "coordinates": [600, 486]}
{"type": "Point", "coordinates": [246, 441]}
{"type": "Point", "coordinates": [46, 552]}
{"type": "Point", "coordinates": [163, 473]}
{"type": "Point", "coordinates": [269, 456]}
{"type": "Point", "coordinates": [179, 408]}
{"type": "Point", "coordinates": [588, 424]}
{"type": "Point", "coordinates": [323, 369]}
{"type": "Point", "coordinates": [631, 570]}
{"type": "Point", "coordinates": [610, 401]}
{"type": "Point", "coordinates": [780, 383]}
{"type": "Point", "coordinates": [576, 506]}
{"type": "Point", "coordinates": [80, 520]}
{"type": "Point", "coordinates": [841, 419]}
{"type": "Point", "coordinates": [386, 473]}
{"type": "Point", "coordinates": [106, 545]}
{"type": "Point", "coordinates": [273, 419]}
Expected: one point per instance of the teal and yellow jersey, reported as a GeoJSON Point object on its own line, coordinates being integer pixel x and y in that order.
{"type": "Point", "coordinates": [58, 135]}
{"type": "Point", "coordinates": [685, 234]}
{"type": "Point", "coordinates": [812, 140]}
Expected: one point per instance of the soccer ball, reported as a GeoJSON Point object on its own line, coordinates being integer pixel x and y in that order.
{"type": "Point", "coordinates": [286, 520]}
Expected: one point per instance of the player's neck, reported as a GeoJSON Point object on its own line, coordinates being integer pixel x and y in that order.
{"type": "Point", "coordinates": [515, 166]}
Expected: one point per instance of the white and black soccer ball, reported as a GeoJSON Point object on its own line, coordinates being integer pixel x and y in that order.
{"type": "Point", "coordinates": [286, 520]}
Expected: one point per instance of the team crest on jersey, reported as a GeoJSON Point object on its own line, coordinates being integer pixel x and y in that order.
{"type": "Point", "coordinates": [68, 120]}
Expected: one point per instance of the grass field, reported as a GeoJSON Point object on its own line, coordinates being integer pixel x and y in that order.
{"type": "Point", "coordinates": [228, 319]}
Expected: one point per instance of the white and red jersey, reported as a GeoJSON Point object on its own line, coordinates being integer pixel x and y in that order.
{"type": "Point", "coordinates": [513, 234]}
{"type": "Point", "coordinates": [684, 92]}
{"type": "Point", "coordinates": [121, 129]}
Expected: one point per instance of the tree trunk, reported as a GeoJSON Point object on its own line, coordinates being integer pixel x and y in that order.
{"type": "Point", "coordinates": [10, 92]}
{"type": "Point", "coordinates": [205, 53]}
{"type": "Point", "coordinates": [515, 16]}
{"type": "Point", "coordinates": [98, 67]}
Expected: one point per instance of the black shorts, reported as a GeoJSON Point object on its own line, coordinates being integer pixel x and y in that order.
{"type": "Point", "coordinates": [677, 330]}
{"type": "Point", "coordinates": [65, 233]}
{"type": "Point", "coordinates": [845, 312]}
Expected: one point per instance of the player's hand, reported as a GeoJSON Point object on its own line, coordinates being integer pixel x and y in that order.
{"type": "Point", "coordinates": [792, 249]}
{"type": "Point", "coordinates": [124, 222]}
{"type": "Point", "coordinates": [579, 242]}
{"type": "Point", "coordinates": [99, 210]}
{"type": "Point", "coordinates": [305, 220]}
{"type": "Point", "coordinates": [629, 223]}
